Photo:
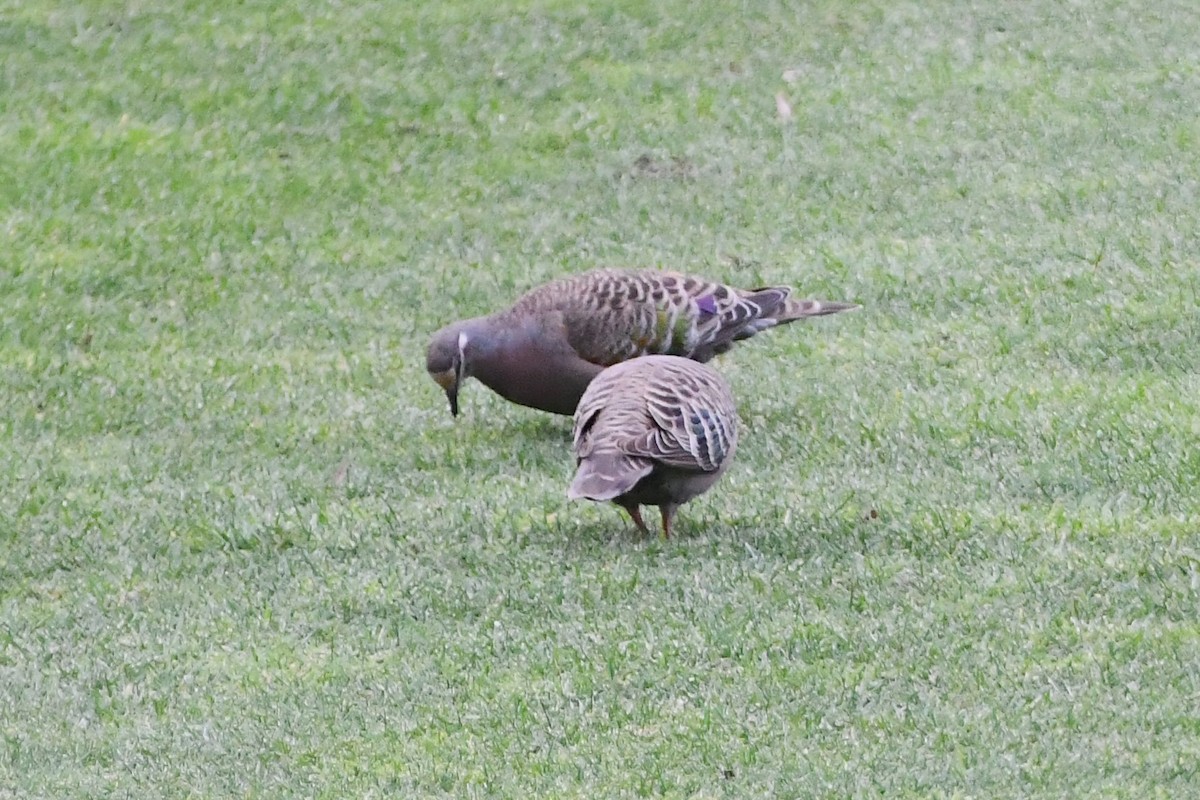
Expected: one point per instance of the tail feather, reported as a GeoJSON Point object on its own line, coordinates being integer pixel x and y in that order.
{"type": "Point", "coordinates": [788, 311]}
{"type": "Point", "coordinates": [793, 310]}
{"type": "Point", "coordinates": [603, 476]}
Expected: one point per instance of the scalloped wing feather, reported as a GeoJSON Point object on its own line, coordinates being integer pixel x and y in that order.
{"type": "Point", "coordinates": [615, 315]}
{"type": "Point", "coordinates": [691, 416]}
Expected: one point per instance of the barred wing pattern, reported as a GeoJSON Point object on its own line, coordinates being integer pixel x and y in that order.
{"type": "Point", "coordinates": [695, 422]}
{"type": "Point", "coordinates": [616, 315]}
{"type": "Point", "coordinates": [667, 410]}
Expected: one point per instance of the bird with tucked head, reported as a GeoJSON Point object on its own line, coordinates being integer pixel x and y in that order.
{"type": "Point", "coordinates": [654, 431]}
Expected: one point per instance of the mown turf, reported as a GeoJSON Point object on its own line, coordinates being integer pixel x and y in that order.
{"type": "Point", "coordinates": [245, 551]}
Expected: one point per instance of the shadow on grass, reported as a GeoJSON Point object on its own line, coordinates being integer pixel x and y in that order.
{"type": "Point", "coordinates": [799, 537]}
{"type": "Point", "coordinates": [545, 428]}
{"type": "Point", "coordinates": [613, 529]}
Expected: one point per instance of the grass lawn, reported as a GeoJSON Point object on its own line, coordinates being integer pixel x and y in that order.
{"type": "Point", "coordinates": [246, 552]}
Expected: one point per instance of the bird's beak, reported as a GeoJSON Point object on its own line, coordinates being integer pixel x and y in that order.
{"type": "Point", "coordinates": [448, 380]}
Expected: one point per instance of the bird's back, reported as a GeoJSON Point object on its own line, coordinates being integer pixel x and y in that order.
{"type": "Point", "coordinates": [670, 410]}
{"type": "Point", "coordinates": [616, 315]}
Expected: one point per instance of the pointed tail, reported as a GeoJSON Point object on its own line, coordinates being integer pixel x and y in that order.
{"type": "Point", "coordinates": [793, 309]}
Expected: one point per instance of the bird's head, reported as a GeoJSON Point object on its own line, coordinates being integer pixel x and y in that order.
{"type": "Point", "coordinates": [446, 361]}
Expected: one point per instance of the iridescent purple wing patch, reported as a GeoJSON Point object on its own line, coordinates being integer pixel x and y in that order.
{"type": "Point", "coordinates": [707, 304]}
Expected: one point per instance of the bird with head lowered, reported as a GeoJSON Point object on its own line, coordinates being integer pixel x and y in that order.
{"type": "Point", "coordinates": [657, 431]}
{"type": "Point", "coordinates": [546, 349]}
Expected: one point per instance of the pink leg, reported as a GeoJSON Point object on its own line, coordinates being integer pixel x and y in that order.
{"type": "Point", "coordinates": [635, 513]}
{"type": "Point", "coordinates": [668, 513]}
